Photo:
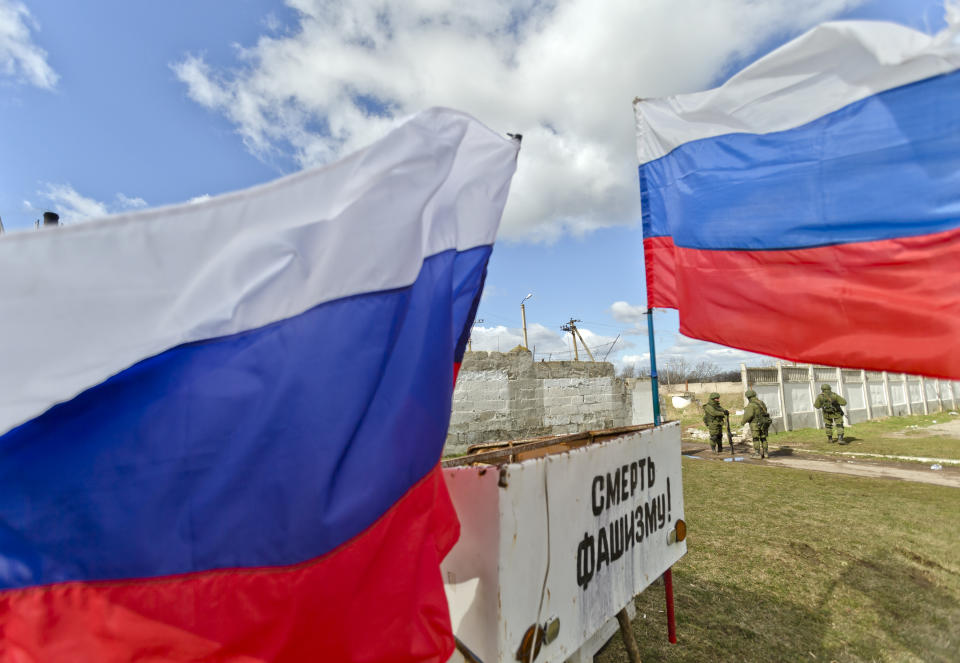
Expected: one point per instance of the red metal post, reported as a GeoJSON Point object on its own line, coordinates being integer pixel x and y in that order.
{"type": "Point", "coordinates": [671, 620]}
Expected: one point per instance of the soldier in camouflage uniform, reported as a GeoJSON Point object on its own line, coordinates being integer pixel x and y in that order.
{"type": "Point", "coordinates": [713, 415]}
{"type": "Point", "coordinates": [831, 404]}
{"type": "Point", "coordinates": [759, 419]}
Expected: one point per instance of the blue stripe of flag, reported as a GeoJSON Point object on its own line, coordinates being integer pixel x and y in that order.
{"type": "Point", "coordinates": [269, 447]}
{"type": "Point", "coordinates": [884, 167]}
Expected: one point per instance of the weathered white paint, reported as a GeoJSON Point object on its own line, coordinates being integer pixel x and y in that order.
{"type": "Point", "coordinates": [496, 571]}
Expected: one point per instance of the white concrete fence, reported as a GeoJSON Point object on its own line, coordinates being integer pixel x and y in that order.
{"type": "Point", "coordinates": [789, 392]}
{"type": "Point", "coordinates": [701, 387]}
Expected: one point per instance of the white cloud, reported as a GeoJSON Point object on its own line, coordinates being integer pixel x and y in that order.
{"type": "Point", "coordinates": [272, 23]}
{"type": "Point", "coordinates": [563, 74]}
{"type": "Point", "coordinates": [130, 203]}
{"type": "Point", "coordinates": [684, 347]}
{"type": "Point", "coordinates": [203, 197]}
{"type": "Point", "coordinates": [20, 58]}
{"type": "Point", "coordinates": [628, 313]}
{"type": "Point", "coordinates": [694, 350]}
{"type": "Point", "coordinates": [70, 205]}
{"type": "Point", "coordinates": [638, 361]}
{"type": "Point", "coordinates": [73, 206]}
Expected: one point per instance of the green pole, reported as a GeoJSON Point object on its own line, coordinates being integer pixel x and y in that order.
{"type": "Point", "coordinates": [653, 369]}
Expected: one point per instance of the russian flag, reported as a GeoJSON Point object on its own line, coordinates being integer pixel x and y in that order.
{"type": "Point", "coordinates": [220, 423]}
{"type": "Point", "coordinates": [809, 208]}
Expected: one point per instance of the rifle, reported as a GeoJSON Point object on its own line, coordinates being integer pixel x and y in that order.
{"type": "Point", "coordinates": [729, 435]}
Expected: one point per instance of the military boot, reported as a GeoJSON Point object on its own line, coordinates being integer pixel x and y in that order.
{"type": "Point", "coordinates": [829, 439]}
{"type": "Point", "coordinates": [840, 438]}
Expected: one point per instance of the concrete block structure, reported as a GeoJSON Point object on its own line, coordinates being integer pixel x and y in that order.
{"type": "Point", "coordinates": [509, 396]}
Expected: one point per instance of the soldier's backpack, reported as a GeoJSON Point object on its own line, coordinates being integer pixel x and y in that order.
{"type": "Point", "coordinates": [765, 418]}
{"type": "Point", "coordinates": [832, 406]}
{"type": "Point", "coordinates": [837, 406]}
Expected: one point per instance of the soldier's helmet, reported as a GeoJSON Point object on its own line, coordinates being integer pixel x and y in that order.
{"type": "Point", "coordinates": [750, 393]}
{"type": "Point", "coordinates": [824, 387]}
{"type": "Point", "coordinates": [714, 395]}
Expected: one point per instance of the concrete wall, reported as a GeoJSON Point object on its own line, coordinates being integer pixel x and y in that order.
{"type": "Point", "coordinates": [641, 397]}
{"type": "Point", "coordinates": [508, 396]}
{"type": "Point", "coordinates": [789, 392]}
{"type": "Point", "coordinates": [703, 388]}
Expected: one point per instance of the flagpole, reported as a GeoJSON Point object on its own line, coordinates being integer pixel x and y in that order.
{"type": "Point", "coordinates": [655, 387]}
{"type": "Point", "coordinates": [655, 393]}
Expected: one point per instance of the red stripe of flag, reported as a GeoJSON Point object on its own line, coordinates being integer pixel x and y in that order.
{"type": "Point", "coordinates": [884, 305]}
{"type": "Point", "coordinates": [378, 597]}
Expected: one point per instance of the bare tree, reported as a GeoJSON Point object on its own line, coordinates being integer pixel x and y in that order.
{"type": "Point", "coordinates": [674, 371]}
{"type": "Point", "coordinates": [727, 376]}
{"type": "Point", "coordinates": [634, 371]}
{"type": "Point", "coordinates": [704, 371]}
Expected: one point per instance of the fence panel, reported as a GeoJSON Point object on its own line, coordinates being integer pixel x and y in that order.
{"type": "Point", "coordinates": [795, 374]}
{"type": "Point", "coordinates": [822, 375]}
{"type": "Point", "coordinates": [898, 395]}
{"type": "Point", "coordinates": [878, 397]}
{"type": "Point", "coordinates": [799, 406]}
{"type": "Point", "coordinates": [915, 397]}
{"type": "Point", "coordinates": [856, 401]}
{"type": "Point", "coordinates": [933, 400]}
{"type": "Point", "coordinates": [763, 375]}
{"type": "Point", "coordinates": [770, 394]}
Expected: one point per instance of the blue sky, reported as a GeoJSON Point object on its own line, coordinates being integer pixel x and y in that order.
{"type": "Point", "coordinates": [109, 106]}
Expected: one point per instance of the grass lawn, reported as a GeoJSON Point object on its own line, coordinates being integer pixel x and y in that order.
{"type": "Point", "coordinates": [868, 437]}
{"type": "Point", "coordinates": [692, 416]}
{"type": "Point", "coordinates": [874, 437]}
{"type": "Point", "coordinates": [789, 565]}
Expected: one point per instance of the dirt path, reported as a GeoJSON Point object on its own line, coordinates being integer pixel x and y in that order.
{"type": "Point", "coordinates": [938, 477]}
{"type": "Point", "coordinates": [950, 428]}
{"type": "Point", "coordinates": [877, 470]}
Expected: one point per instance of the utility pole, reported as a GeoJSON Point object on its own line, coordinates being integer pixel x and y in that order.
{"type": "Point", "coordinates": [570, 327]}
{"type": "Point", "coordinates": [523, 317]}
{"type": "Point", "coordinates": [470, 339]}
{"type": "Point", "coordinates": [585, 346]}
{"type": "Point", "coordinates": [575, 334]}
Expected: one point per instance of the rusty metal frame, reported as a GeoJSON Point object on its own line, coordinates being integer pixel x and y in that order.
{"type": "Point", "coordinates": [512, 451]}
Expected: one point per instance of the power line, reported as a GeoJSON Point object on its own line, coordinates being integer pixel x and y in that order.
{"type": "Point", "coordinates": [559, 355]}
{"type": "Point", "coordinates": [640, 326]}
